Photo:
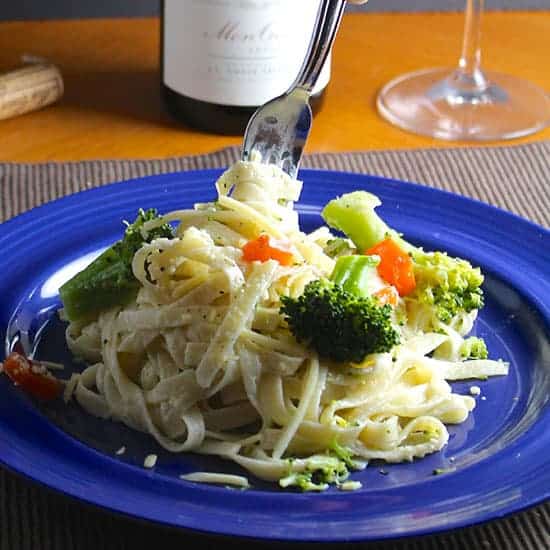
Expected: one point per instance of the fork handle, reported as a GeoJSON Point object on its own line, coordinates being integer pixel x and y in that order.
{"type": "Point", "coordinates": [327, 22]}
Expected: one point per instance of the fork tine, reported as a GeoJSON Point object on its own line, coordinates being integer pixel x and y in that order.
{"type": "Point", "coordinates": [279, 129]}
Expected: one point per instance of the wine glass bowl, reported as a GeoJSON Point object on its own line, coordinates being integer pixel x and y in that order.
{"type": "Point", "coordinates": [466, 103]}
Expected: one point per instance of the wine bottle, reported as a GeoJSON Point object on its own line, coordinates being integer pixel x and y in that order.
{"type": "Point", "coordinates": [222, 59]}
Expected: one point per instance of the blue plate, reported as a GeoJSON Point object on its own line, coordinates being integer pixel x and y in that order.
{"type": "Point", "coordinates": [498, 460]}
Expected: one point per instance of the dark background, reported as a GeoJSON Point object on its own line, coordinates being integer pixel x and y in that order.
{"type": "Point", "coordinates": [52, 9]}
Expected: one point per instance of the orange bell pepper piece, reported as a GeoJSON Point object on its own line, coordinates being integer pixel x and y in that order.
{"type": "Point", "coordinates": [395, 267]}
{"type": "Point", "coordinates": [31, 377]}
{"type": "Point", "coordinates": [262, 249]}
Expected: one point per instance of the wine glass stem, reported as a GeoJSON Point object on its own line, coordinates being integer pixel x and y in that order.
{"type": "Point", "coordinates": [469, 72]}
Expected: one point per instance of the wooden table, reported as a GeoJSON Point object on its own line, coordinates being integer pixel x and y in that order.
{"type": "Point", "coordinates": [112, 106]}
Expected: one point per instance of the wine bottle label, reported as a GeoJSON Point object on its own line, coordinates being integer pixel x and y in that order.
{"type": "Point", "coordinates": [237, 52]}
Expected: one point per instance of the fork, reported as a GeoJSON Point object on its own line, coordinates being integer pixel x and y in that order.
{"type": "Point", "coordinates": [278, 130]}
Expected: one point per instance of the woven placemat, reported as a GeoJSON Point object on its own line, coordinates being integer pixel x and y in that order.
{"type": "Point", "coordinates": [514, 178]}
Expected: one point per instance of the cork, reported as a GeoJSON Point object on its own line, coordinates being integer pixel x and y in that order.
{"type": "Point", "coordinates": [29, 88]}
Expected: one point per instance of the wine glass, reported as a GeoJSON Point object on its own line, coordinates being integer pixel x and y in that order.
{"type": "Point", "coordinates": [465, 103]}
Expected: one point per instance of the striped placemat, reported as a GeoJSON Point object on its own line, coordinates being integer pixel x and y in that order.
{"type": "Point", "coordinates": [514, 178]}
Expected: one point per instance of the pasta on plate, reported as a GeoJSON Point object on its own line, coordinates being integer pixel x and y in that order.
{"type": "Point", "coordinates": [204, 358]}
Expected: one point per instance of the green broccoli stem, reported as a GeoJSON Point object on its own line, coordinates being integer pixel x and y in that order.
{"type": "Point", "coordinates": [109, 281]}
{"type": "Point", "coordinates": [354, 214]}
{"type": "Point", "coordinates": [353, 273]}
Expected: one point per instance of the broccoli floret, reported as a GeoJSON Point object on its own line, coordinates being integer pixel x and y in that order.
{"type": "Point", "coordinates": [450, 285]}
{"type": "Point", "coordinates": [345, 455]}
{"type": "Point", "coordinates": [338, 324]}
{"type": "Point", "coordinates": [109, 281]}
{"type": "Point", "coordinates": [474, 348]}
{"type": "Point", "coordinates": [304, 481]}
{"type": "Point", "coordinates": [321, 470]}
{"type": "Point", "coordinates": [338, 247]}
{"type": "Point", "coordinates": [135, 236]}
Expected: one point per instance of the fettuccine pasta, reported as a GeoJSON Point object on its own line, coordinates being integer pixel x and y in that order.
{"type": "Point", "coordinates": [204, 361]}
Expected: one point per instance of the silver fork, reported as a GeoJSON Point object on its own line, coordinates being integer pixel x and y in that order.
{"type": "Point", "coordinates": [279, 129]}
